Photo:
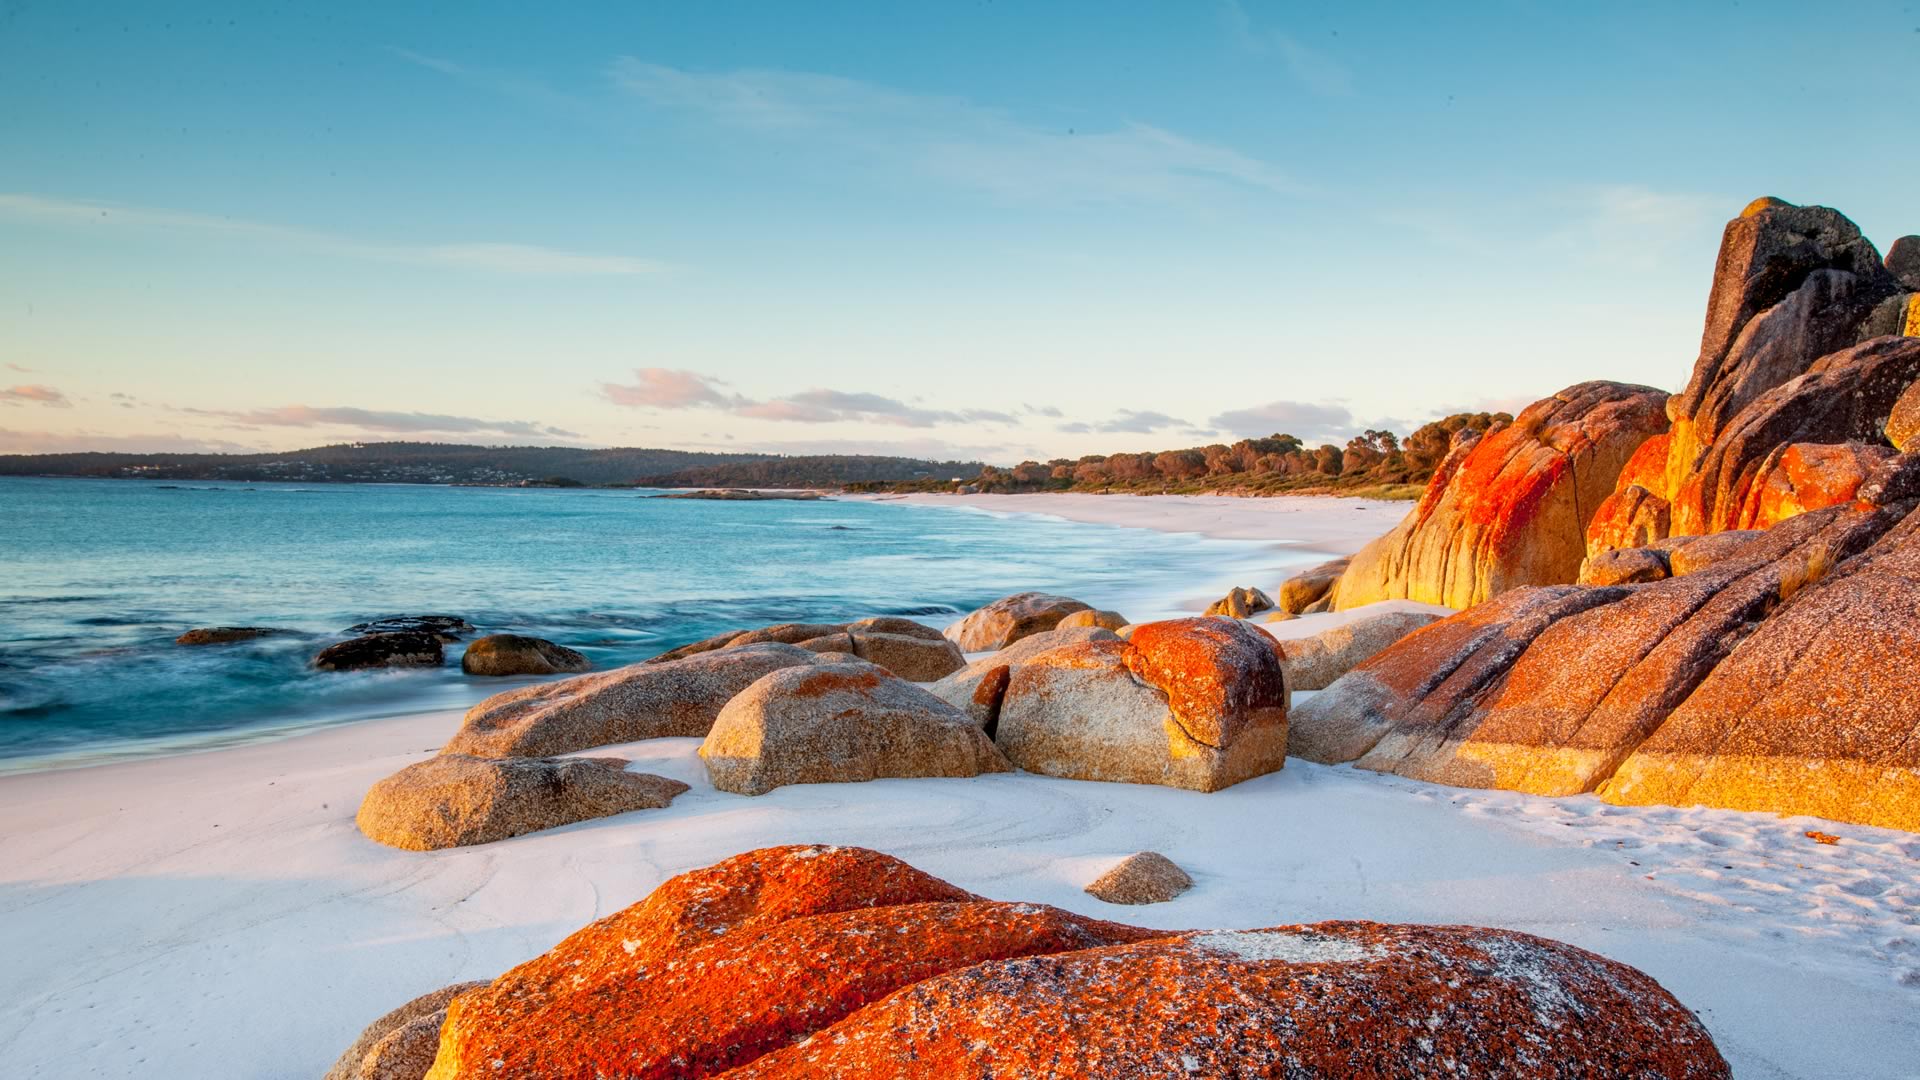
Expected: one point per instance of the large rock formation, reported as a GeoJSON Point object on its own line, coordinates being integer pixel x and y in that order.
{"type": "Point", "coordinates": [1011, 618]}
{"type": "Point", "coordinates": [513, 654]}
{"type": "Point", "coordinates": [840, 962]}
{"type": "Point", "coordinates": [1768, 675]}
{"type": "Point", "coordinates": [1312, 663]}
{"type": "Point", "coordinates": [1305, 588]}
{"type": "Point", "coordinates": [641, 701]}
{"type": "Point", "coordinates": [1190, 703]}
{"type": "Point", "coordinates": [1903, 420]}
{"type": "Point", "coordinates": [979, 688]}
{"type": "Point", "coordinates": [453, 800]}
{"type": "Point", "coordinates": [1799, 477]}
{"type": "Point", "coordinates": [1797, 292]}
{"type": "Point", "coordinates": [1512, 507]}
{"type": "Point", "coordinates": [838, 723]}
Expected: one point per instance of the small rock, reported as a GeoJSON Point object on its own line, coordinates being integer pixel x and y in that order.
{"type": "Point", "coordinates": [914, 659]}
{"type": "Point", "coordinates": [1104, 620]}
{"type": "Point", "coordinates": [1011, 618]}
{"type": "Point", "coordinates": [1144, 878]}
{"type": "Point", "coordinates": [222, 635]}
{"type": "Point", "coordinates": [1625, 566]}
{"type": "Point", "coordinates": [1310, 585]}
{"type": "Point", "coordinates": [454, 800]}
{"type": "Point", "coordinates": [447, 628]}
{"type": "Point", "coordinates": [1903, 261]}
{"type": "Point", "coordinates": [390, 1047]}
{"type": "Point", "coordinates": [1280, 616]}
{"type": "Point", "coordinates": [381, 650]}
{"type": "Point", "coordinates": [512, 654]}
{"type": "Point", "coordinates": [1241, 603]}
{"type": "Point", "coordinates": [1694, 553]}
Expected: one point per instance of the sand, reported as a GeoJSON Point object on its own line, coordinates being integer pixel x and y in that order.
{"type": "Point", "coordinates": [217, 914]}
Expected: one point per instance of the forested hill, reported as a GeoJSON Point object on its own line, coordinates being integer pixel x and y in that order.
{"type": "Point", "coordinates": [444, 463]}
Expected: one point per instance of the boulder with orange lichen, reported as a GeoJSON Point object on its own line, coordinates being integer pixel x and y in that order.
{"type": "Point", "coordinates": [1190, 703]}
{"type": "Point", "coordinates": [1799, 477]}
{"type": "Point", "coordinates": [1513, 507]}
{"type": "Point", "coordinates": [838, 723]}
{"type": "Point", "coordinates": [839, 962]}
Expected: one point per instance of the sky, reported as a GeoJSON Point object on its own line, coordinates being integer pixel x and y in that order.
{"type": "Point", "coordinates": [979, 230]}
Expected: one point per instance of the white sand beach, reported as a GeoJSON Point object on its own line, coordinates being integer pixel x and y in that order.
{"type": "Point", "coordinates": [218, 914]}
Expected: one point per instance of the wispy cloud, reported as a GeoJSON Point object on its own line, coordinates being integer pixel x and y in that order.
{"type": "Point", "coordinates": [1311, 422]}
{"type": "Point", "coordinates": [1635, 226]}
{"type": "Point", "coordinates": [1126, 421]}
{"type": "Point", "coordinates": [667, 388]}
{"type": "Point", "coordinates": [490, 257]}
{"type": "Point", "coordinates": [1311, 68]}
{"type": "Point", "coordinates": [72, 442]}
{"type": "Point", "coordinates": [44, 395]}
{"type": "Point", "coordinates": [950, 139]}
{"type": "Point", "coordinates": [347, 416]}
{"type": "Point", "coordinates": [20, 368]}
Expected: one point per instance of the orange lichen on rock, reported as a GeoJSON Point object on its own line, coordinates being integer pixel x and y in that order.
{"type": "Point", "coordinates": [1218, 675]}
{"type": "Point", "coordinates": [839, 962]}
{"type": "Point", "coordinates": [1799, 477]}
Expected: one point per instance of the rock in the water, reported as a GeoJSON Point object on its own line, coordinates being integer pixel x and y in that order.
{"type": "Point", "coordinates": [224, 635]}
{"type": "Point", "coordinates": [1011, 618]}
{"type": "Point", "coordinates": [1312, 663]}
{"type": "Point", "coordinates": [454, 800]}
{"type": "Point", "coordinates": [1192, 703]}
{"type": "Point", "coordinates": [1512, 507]}
{"type": "Point", "coordinates": [838, 962]}
{"type": "Point", "coordinates": [640, 701]}
{"type": "Point", "coordinates": [1799, 477]}
{"type": "Point", "coordinates": [401, 1044]}
{"type": "Point", "coordinates": [1309, 585]}
{"type": "Point", "coordinates": [1625, 566]}
{"type": "Point", "coordinates": [1103, 620]}
{"type": "Point", "coordinates": [1903, 420]}
{"type": "Point", "coordinates": [380, 651]}
{"type": "Point", "coordinates": [1146, 877]}
{"type": "Point", "coordinates": [1240, 603]}
{"type": "Point", "coordinates": [837, 723]}
{"type": "Point", "coordinates": [978, 688]}
{"type": "Point", "coordinates": [915, 659]}
{"type": "Point", "coordinates": [447, 628]}
{"type": "Point", "coordinates": [512, 654]}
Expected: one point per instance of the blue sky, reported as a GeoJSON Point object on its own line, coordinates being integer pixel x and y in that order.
{"type": "Point", "coordinates": [982, 229]}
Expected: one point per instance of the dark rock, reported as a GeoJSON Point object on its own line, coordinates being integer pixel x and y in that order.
{"type": "Point", "coordinates": [447, 628]}
{"type": "Point", "coordinates": [381, 650]}
{"type": "Point", "coordinates": [1903, 262]}
{"type": "Point", "coordinates": [223, 635]}
{"type": "Point", "coordinates": [1893, 480]}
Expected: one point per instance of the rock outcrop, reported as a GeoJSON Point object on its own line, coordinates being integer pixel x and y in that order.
{"type": "Point", "coordinates": [1145, 877]}
{"type": "Point", "coordinates": [911, 650]}
{"type": "Point", "coordinates": [1903, 420]}
{"type": "Point", "coordinates": [1191, 703]}
{"type": "Point", "coordinates": [1011, 618]}
{"type": "Point", "coordinates": [978, 688]}
{"type": "Point", "coordinates": [513, 654]}
{"type": "Point", "coordinates": [225, 635]}
{"type": "Point", "coordinates": [383, 650]}
{"type": "Point", "coordinates": [1303, 589]}
{"type": "Point", "coordinates": [1799, 477]}
{"type": "Point", "coordinates": [1764, 676]}
{"type": "Point", "coordinates": [640, 701]}
{"type": "Point", "coordinates": [1625, 566]}
{"type": "Point", "coordinates": [1312, 663]}
{"type": "Point", "coordinates": [400, 1045]}
{"type": "Point", "coordinates": [911, 657]}
{"type": "Point", "coordinates": [1512, 507]}
{"type": "Point", "coordinates": [447, 628]}
{"type": "Point", "coordinates": [453, 800]}
{"type": "Point", "coordinates": [1103, 620]}
{"type": "Point", "coordinates": [839, 723]}
{"type": "Point", "coordinates": [1240, 603]}
{"type": "Point", "coordinates": [839, 962]}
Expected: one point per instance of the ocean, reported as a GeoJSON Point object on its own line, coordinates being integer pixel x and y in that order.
{"type": "Point", "coordinates": [97, 577]}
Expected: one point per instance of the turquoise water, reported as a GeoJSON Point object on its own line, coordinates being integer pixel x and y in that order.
{"type": "Point", "coordinates": [97, 577]}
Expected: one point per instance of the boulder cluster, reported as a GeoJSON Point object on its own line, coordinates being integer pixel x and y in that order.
{"type": "Point", "coordinates": [810, 961]}
{"type": "Point", "coordinates": [1737, 623]}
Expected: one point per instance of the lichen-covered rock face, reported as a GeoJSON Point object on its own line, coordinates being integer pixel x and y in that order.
{"type": "Point", "coordinates": [1903, 420]}
{"type": "Point", "coordinates": [915, 659]}
{"type": "Point", "coordinates": [384, 650]}
{"type": "Point", "coordinates": [454, 800]}
{"type": "Point", "coordinates": [1767, 676]}
{"type": "Point", "coordinates": [978, 688]}
{"type": "Point", "coordinates": [400, 1045]}
{"type": "Point", "coordinates": [1309, 585]}
{"type": "Point", "coordinates": [839, 962]}
{"type": "Point", "coordinates": [1192, 703]}
{"type": "Point", "coordinates": [1312, 663]}
{"type": "Point", "coordinates": [1090, 618]}
{"type": "Point", "coordinates": [1692, 554]}
{"type": "Point", "coordinates": [513, 654]}
{"type": "Point", "coordinates": [1011, 618]}
{"type": "Point", "coordinates": [1799, 477]}
{"type": "Point", "coordinates": [641, 701]}
{"type": "Point", "coordinates": [840, 723]}
{"type": "Point", "coordinates": [1625, 566]}
{"type": "Point", "coordinates": [1633, 515]}
{"type": "Point", "coordinates": [1513, 507]}
{"type": "Point", "coordinates": [1146, 877]}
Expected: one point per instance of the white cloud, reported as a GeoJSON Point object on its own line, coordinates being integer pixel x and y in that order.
{"type": "Point", "coordinates": [44, 395]}
{"type": "Point", "coordinates": [500, 258]}
{"type": "Point", "coordinates": [385, 421]}
{"type": "Point", "coordinates": [1312, 423]}
{"type": "Point", "coordinates": [665, 388]}
{"type": "Point", "coordinates": [950, 139]}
